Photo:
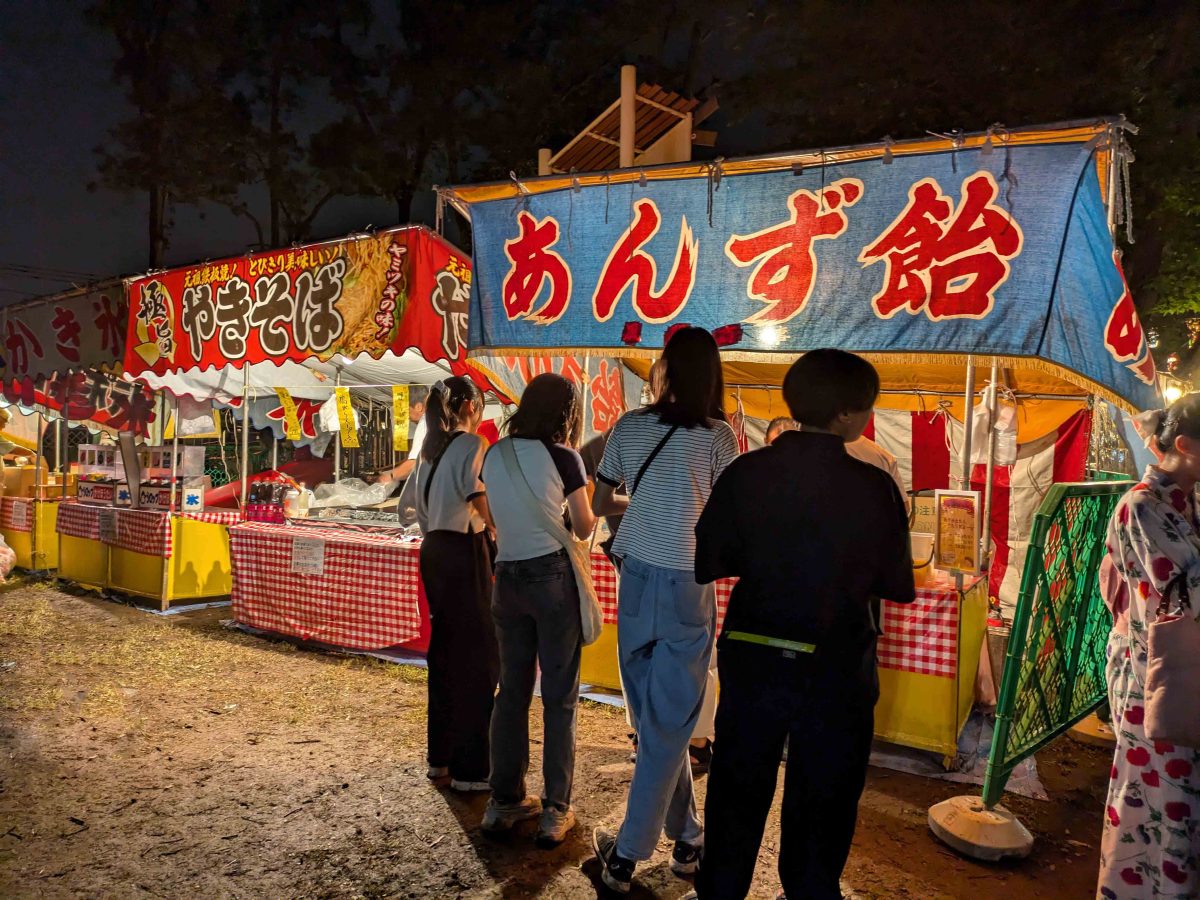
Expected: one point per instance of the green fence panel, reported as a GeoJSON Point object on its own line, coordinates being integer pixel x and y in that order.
{"type": "Point", "coordinates": [1054, 670]}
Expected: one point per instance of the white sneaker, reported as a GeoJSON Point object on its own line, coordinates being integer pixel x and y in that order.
{"type": "Point", "coordinates": [469, 787]}
{"type": "Point", "coordinates": [499, 818]}
{"type": "Point", "coordinates": [554, 826]}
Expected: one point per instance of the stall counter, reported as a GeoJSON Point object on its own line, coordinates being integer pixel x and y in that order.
{"type": "Point", "coordinates": [28, 528]}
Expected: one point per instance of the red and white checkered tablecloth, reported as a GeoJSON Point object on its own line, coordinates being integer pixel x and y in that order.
{"type": "Point", "coordinates": [16, 514]}
{"type": "Point", "coordinates": [922, 637]}
{"type": "Point", "coordinates": [364, 599]}
{"type": "Point", "coordinates": [604, 577]}
{"type": "Point", "coordinates": [81, 520]}
{"type": "Point", "coordinates": [139, 530]}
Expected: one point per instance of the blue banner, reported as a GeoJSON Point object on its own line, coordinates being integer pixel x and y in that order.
{"type": "Point", "coordinates": [1005, 253]}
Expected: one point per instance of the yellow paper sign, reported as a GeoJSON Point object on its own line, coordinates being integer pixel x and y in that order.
{"type": "Point", "coordinates": [957, 532]}
{"type": "Point", "coordinates": [291, 421]}
{"type": "Point", "coordinates": [400, 417]}
{"type": "Point", "coordinates": [346, 418]}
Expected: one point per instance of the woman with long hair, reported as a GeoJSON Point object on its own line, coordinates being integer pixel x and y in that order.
{"type": "Point", "coordinates": [1151, 840]}
{"type": "Point", "coordinates": [532, 474]}
{"type": "Point", "coordinates": [456, 568]}
{"type": "Point", "coordinates": [668, 456]}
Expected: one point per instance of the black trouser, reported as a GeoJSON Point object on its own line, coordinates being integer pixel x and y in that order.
{"type": "Point", "coordinates": [536, 609]}
{"type": "Point", "coordinates": [464, 664]}
{"type": "Point", "coordinates": [828, 718]}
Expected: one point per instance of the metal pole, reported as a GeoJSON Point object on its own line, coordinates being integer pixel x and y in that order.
{"type": "Point", "coordinates": [58, 442]}
{"type": "Point", "coordinates": [37, 480]}
{"type": "Point", "coordinates": [968, 422]}
{"type": "Point", "coordinates": [337, 438]}
{"type": "Point", "coordinates": [174, 455]}
{"type": "Point", "coordinates": [587, 380]}
{"type": "Point", "coordinates": [245, 433]}
{"type": "Point", "coordinates": [1112, 181]}
{"type": "Point", "coordinates": [985, 544]}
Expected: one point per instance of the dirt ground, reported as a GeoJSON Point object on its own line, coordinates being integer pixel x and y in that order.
{"type": "Point", "coordinates": [174, 757]}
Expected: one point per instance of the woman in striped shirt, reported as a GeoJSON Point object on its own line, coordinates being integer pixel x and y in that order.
{"type": "Point", "coordinates": [668, 456]}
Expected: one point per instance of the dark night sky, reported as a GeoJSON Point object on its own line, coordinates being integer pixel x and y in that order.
{"type": "Point", "coordinates": [59, 101]}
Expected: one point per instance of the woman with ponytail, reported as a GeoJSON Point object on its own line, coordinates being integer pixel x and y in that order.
{"type": "Point", "coordinates": [1151, 841]}
{"type": "Point", "coordinates": [456, 568]}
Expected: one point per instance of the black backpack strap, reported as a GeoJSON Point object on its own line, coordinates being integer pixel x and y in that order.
{"type": "Point", "coordinates": [649, 459]}
{"type": "Point", "coordinates": [434, 466]}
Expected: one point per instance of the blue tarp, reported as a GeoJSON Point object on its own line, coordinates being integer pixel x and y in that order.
{"type": "Point", "coordinates": [1005, 254]}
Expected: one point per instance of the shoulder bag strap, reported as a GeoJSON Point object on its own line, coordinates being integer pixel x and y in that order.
{"type": "Point", "coordinates": [437, 460]}
{"type": "Point", "coordinates": [649, 459]}
{"type": "Point", "coordinates": [555, 528]}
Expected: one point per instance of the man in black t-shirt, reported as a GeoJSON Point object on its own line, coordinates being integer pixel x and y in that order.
{"type": "Point", "coordinates": [813, 535]}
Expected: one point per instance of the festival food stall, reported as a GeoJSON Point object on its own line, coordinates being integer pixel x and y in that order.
{"type": "Point", "coordinates": [949, 263]}
{"type": "Point", "coordinates": [320, 344]}
{"type": "Point", "coordinates": [61, 353]}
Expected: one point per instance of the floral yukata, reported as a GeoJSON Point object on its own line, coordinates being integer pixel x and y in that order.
{"type": "Point", "coordinates": [1151, 841]}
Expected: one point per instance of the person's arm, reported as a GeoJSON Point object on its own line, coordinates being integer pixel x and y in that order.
{"type": "Point", "coordinates": [610, 475]}
{"type": "Point", "coordinates": [582, 519]}
{"type": "Point", "coordinates": [480, 502]}
{"type": "Point", "coordinates": [719, 550]}
{"type": "Point", "coordinates": [894, 579]}
{"type": "Point", "coordinates": [1166, 550]}
{"type": "Point", "coordinates": [606, 502]}
{"type": "Point", "coordinates": [399, 473]}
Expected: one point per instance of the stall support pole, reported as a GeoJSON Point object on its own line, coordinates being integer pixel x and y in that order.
{"type": "Point", "coordinates": [245, 433]}
{"type": "Point", "coordinates": [968, 422]}
{"type": "Point", "coordinates": [627, 147]}
{"type": "Point", "coordinates": [274, 451]}
{"type": "Point", "coordinates": [337, 439]}
{"type": "Point", "coordinates": [37, 480]}
{"type": "Point", "coordinates": [174, 455]}
{"type": "Point", "coordinates": [985, 543]}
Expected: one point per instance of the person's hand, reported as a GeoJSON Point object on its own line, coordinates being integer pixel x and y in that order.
{"type": "Point", "coordinates": [384, 477]}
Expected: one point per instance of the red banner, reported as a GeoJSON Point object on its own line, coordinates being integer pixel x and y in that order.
{"type": "Point", "coordinates": [68, 332]}
{"type": "Point", "coordinates": [397, 290]}
{"type": "Point", "coordinates": [90, 396]}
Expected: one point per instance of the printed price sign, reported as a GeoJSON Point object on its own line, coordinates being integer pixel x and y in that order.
{"type": "Point", "coordinates": [956, 545]}
{"type": "Point", "coordinates": [346, 418]}
{"type": "Point", "coordinates": [308, 556]}
{"type": "Point", "coordinates": [107, 521]}
{"type": "Point", "coordinates": [291, 419]}
{"type": "Point", "coordinates": [400, 417]}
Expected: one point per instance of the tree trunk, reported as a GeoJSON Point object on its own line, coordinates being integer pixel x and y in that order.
{"type": "Point", "coordinates": [158, 225]}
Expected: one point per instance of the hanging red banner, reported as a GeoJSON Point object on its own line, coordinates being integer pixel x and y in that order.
{"type": "Point", "coordinates": [397, 290]}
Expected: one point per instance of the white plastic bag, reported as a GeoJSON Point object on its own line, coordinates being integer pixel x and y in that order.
{"type": "Point", "coordinates": [350, 492]}
{"type": "Point", "coordinates": [1004, 425]}
{"type": "Point", "coordinates": [8, 559]}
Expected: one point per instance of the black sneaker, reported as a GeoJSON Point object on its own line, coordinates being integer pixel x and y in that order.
{"type": "Point", "coordinates": [685, 858]}
{"type": "Point", "coordinates": [633, 752]}
{"type": "Point", "coordinates": [615, 871]}
{"type": "Point", "coordinates": [701, 758]}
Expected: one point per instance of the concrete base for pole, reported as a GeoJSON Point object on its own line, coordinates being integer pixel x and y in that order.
{"type": "Point", "coordinates": [1094, 733]}
{"type": "Point", "coordinates": [966, 825]}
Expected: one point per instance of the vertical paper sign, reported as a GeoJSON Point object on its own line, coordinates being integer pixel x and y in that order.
{"type": "Point", "coordinates": [291, 421]}
{"type": "Point", "coordinates": [400, 417]}
{"type": "Point", "coordinates": [346, 420]}
{"type": "Point", "coordinates": [308, 556]}
{"type": "Point", "coordinates": [956, 547]}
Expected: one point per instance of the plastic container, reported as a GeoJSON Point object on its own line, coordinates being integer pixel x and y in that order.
{"type": "Point", "coordinates": [922, 554]}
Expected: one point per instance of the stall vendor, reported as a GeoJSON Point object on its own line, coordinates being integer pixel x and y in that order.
{"type": "Point", "coordinates": [416, 420]}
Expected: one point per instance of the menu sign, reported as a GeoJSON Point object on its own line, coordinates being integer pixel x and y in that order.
{"type": "Point", "coordinates": [956, 542]}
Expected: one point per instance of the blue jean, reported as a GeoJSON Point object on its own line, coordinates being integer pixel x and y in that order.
{"type": "Point", "coordinates": [665, 639]}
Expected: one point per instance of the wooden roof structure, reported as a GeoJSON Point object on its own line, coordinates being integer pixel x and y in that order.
{"type": "Point", "coordinates": [597, 147]}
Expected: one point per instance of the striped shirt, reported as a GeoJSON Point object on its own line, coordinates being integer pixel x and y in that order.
{"type": "Point", "coordinates": [659, 527]}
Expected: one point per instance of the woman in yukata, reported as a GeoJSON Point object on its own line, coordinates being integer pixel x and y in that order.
{"type": "Point", "coordinates": [1151, 841]}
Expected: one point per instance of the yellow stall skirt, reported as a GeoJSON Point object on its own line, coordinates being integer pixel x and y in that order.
{"type": "Point", "coordinates": [928, 712]}
{"type": "Point", "coordinates": [36, 551]}
{"type": "Point", "coordinates": [198, 569]}
{"type": "Point", "coordinates": [598, 662]}
{"type": "Point", "coordinates": [83, 561]}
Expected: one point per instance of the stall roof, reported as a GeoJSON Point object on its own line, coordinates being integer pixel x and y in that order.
{"type": "Point", "coordinates": [996, 244]}
{"type": "Point", "coordinates": [380, 309]}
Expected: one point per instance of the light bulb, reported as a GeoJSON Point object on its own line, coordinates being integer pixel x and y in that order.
{"type": "Point", "coordinates": [770, 336]}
